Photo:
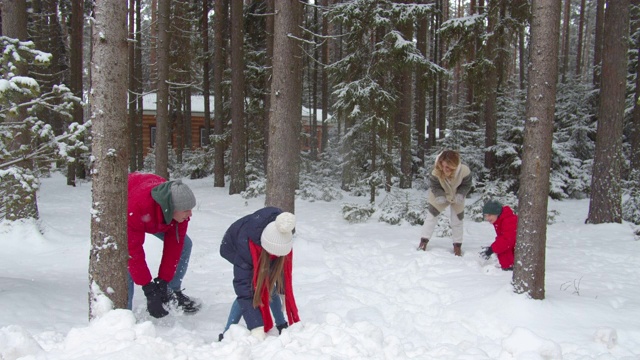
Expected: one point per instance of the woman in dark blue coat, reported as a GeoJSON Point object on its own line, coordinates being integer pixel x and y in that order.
{"type": "Point", "coordinates": [259, 247]}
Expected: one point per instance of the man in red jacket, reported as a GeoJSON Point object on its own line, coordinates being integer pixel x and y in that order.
{"type": "Point", "coordinates": [162, 208]}
{"type": "Point", "coordinates": [505, 223]}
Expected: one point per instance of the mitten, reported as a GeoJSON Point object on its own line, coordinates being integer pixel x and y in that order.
{"type": "Point", "coordinates": [459, 199]}
{"type": "Point", "coordinates": [486, 252]}
{"type": "Point", "coordinates": [440, 200]}
{"type": "Point", "coordinates": [258, 333]}
{"type": "Point", "coordinates": [155, 291]}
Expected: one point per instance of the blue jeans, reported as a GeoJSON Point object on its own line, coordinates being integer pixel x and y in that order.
{"type": "Point", "coordinates": [276, 309]}
{"type": "Point", "coordinates": [181, 270]}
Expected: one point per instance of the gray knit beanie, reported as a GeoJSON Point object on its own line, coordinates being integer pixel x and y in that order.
{"type": "Point", "coordinates": [182, 197]}
{"type": "Point", "coordinates": [492, 207]}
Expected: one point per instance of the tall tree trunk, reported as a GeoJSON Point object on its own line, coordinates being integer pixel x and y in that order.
{"type": "Point", "coordinates": [580, 36]}
{"type": "Point", "coordinates": [421, 89]}
{"type": "Point", "coordinates": [313, 133]}
{"type": "Point", "coordinates": [325, 79]}
{"type": "Point", "coordinates": [218, 71]}
{"type": "Point", "coordinates": [404, 115]}
{"type": "Point", "coordinates": [24, 204]}
{"type": "Point", "coordinates": [133, 97]}
{"type": "Point", "coordinates": [634, 136]}
{"type": "Point", "coordinates": [77, 23]}
{"type": "Point", "coordinates": [139, 86]}
{"type": "Point", "coordinates": [286, 104]}
{"type": "Point", "coordinates": [238, 136]}
{"type": "Point", "coordinates": [109, 255]}
{"type": "Point", "coordinates": [522, 56]}
{"type": "Point", "coordinates": [153, 49]}
{"type": "Point", "coordinates": [529, 265]}
{"type": "Point", "coordinates": [204, 31]}
{"type": "Point", "coordinates": [491, 83]}
{"type": "Point", "coordinates": [565, 39]}
{"type": "Point", "coordinates": [162, 104]}
{"type": "Point", "coordinates": [598, 42]}
{"type": "Point", "coordinates": [267, 80]}
{"type": "Point", "coordinates": [606, 197]}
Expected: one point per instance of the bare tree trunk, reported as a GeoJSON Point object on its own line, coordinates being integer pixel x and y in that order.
{"type": "Point", "coordinates": [634, 135]}
{"type": "Point", "coordinates": [580, 36]}
{"type": "Point", "coordinates": [491, 83]}
{"type": "Point", "coordinates": [598, 42]}
{"type": "Point", "coordinates": [153, 50]}
{"type": "Point", "coordinates": [204, 31]}
{"type": "Point", "coordinates": [325, 79]}
{"type": "Point", "coordinates": [238, 136]}
{"type": "Point", "coordinates": [109, 255]}
{"type": "Point", "coordinates": [529, 266]}
{"type": "Point", "coordinates": [139, 87]}
{"type": "Point", "coordinates": [286, 104]}
{"type": "Point", "coordinates": [404, 116]}
{"type": "Point", "coordinates": [267, 81]}
{"type": "Point", "coordinates": [133, 97]}
{"type": "Point", "coordinates": [421, 90]}
{"type": "Point", "coordinates": [218, 70]}
{"type": "Point", "coordinates": [606, 194]}
{"type": "Point", "coordinates": [77, 23]}
{"type": "Point", "coordinates": [162, 104]}
{"type": "Point", "coordinates": [565, 40]}
{"type": "Point", "coordinates": [522, 56]}
{"type": "Point", "coordinates": [313, 128]}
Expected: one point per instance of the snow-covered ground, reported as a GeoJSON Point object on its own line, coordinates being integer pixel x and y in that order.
{"type": "Point", "coordinates": [363, 291]}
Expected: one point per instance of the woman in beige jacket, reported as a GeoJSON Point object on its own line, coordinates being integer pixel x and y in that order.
{"type": "Point", "coordinates": [450, 181]}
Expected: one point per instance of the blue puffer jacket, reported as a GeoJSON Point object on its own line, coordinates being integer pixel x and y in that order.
{"type": "Point", "coordinates": [235, 248]}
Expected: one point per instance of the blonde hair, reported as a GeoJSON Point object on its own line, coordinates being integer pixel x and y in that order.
{"type": "Point", "coordinates": [270, 275]}
{"type": "Point", "coordinates": [448, 156]}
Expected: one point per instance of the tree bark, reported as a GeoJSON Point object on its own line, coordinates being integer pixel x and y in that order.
{"type": "Point", "coordinates": [529, 266]}
{"type": "Point", "coordinates": [162, 104]}
{"type": "Point", "coordinates": [218, 71]}
{"type": "Point", "coordinates": [598, 42]}
{"type": "Point", "coordinates": [75, 84]}
{"type": "Point", "coordinates": [109, 255]}
{"type": "Point", "coordinates": [606, 194]}
{"type": "Point", "coordinates": [565, 39]}
{"type": "Point", "coordinates": [634, 133]}
{"type": "Point", "coordinates": [238, 137]}
{"type": "Point", "coordinates": [580, 36]}
{"type": "Point", "coordinates": [404, 116]}
{"type": "Point", "coordinates": [286, 103]}
{"type": "Point", "coordinates": [204, 30]}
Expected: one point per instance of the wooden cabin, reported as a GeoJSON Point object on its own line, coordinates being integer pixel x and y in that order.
{"type": "Point", "coordinates": [197, 124]}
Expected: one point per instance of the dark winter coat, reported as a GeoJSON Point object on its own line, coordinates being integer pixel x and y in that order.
{"type": "Point", "coordinates": [235, 248]}
{"type": "Point", "coordinates": [150, 211]}
{"type": "Point", "coordinates": [505, 244]}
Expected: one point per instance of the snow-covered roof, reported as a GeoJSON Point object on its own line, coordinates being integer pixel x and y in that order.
{"type": "Point", "coordinates": [197, 106]}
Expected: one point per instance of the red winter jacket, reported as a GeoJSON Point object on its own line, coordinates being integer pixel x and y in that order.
{"type": "Point", "coordinates": [146, 215]}
{"type": "Point", "coordinates": [505, 244]}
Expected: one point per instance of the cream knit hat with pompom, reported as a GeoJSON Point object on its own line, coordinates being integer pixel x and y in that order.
{"type": "Point", "coordinates": [277, 236]}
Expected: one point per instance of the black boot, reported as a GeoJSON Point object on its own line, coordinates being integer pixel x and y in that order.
{"type": "Point", "coordinates": [423, 244]}
{"type": "Point", "coordinates": [457, 249]}
{"type": "Point", "coordinates": [281, 327]}
{"type": "Point", "coordinates": [185, 303]}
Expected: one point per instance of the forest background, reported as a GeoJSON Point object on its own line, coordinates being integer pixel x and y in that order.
{"type": "Point", "coordinates": [391, 83]}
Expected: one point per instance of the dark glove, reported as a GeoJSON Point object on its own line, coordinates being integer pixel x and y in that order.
{"type": "Point", "coordinates": [156, 293]}
{"type": "Point", "coordinates": [486, 252]}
